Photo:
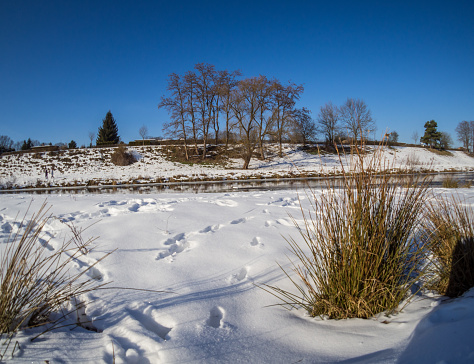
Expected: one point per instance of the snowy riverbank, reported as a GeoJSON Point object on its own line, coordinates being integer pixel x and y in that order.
{"type": "Point", "coordinates": [92, 167]}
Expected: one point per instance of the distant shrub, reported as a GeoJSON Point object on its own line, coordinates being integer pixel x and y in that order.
{"type": "Point", "coordinates": [121, 157]}
{"type": "Point", "coordinates": [450, 182]}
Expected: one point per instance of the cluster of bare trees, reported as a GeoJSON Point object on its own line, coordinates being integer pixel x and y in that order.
{"type": "Point", "coordinates": [211, 105]}
{"type": "Point", "coordinates": [465, 134]}
{"type": "Point", "coordinates": [352, 120]}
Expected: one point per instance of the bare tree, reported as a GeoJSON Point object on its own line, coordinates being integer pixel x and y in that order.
{"type": "Point", "coordinates": [445, 140]}
{"type": "Point", "coordinates": [91, 137]}
{"type": "Point", "coordinates": [6, 143]}
{"type": "Point", "coordinates": [190, 90]}
{"type": "Point", "coordinates": [357, 118]}
{"type": "Point", "coordinates": [464, 134]}
{"type": "Point", "coordinates": [176, 106]}
{"type": "Point", "coordinates": [246, 105]}
{"type": "Point", "coordinates": [143, 131]}
{"type": "Point", "coordinates": [229, 83]}
{"type": "Point", "coordinates": [328, 123]}
{"type": "Point", "coordinates": [284, 102]}
{"type": "Point", "coordinates": [206, 98]}
{"type": "Point", "coordinates": [304, 125]}
{"type": "Point", "coordinates": [416, 137]}
{"type": "Point", "coordinates": [264, 120]}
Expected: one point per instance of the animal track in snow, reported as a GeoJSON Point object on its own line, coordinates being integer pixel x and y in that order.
{"type": "Point", "coordinates": [6, 228]}
{"type": "Point", "coordinates": [238, 221]}
{"type": "Point", "coordinates": [226, 203]}
{"type": "Point", "coordinates": [148, 319]}
{"type": "Point", "coordinates": [112, 203]}
{"type": "Point", "coordinates": [256, 241]}
{"type": "Point", "coordinates": [95, 273]}
{"type": "Point", "coordinates": [176, 245]}
{"type": "Point", "coordinates": [215, 317]}
{"type": "Point", "coordinates": [285, 202]}
{"type": "Point", "coordinates": [210, 229]}
{"type": "Point", "coordinates": [238, 277]}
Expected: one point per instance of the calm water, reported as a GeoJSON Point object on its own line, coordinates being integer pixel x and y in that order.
{"type": "Point", "coordinates": [226, 186]}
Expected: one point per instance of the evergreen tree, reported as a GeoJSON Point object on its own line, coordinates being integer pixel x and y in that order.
{"type": "Point", "coordinates": [27, 144]}
{"type": "Point", "coordinates": [72, 144]}
{"type": "Point", "coordinates": [393, 137]}
{"type": "Point", "coordinates": [432, 136]}
{"type": "Point", "coordinates": [108, 132]}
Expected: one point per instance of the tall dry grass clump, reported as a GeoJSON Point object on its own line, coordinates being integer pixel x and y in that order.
{"type": "Point", "coordinates": [450, 182]}
{"type": "Point", "coordinates": [450, 226]}
{"type": "Point", "coordinates": [122, 157]}
{"type": "Point", "coordinates": [360, 253]}
{"type": "Point", "coordinates": [35, 280]}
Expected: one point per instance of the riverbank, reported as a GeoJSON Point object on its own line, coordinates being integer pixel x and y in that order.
{"type": "Point", "coordinates": [92, 168]}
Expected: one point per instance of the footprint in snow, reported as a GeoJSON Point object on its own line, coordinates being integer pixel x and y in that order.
{"type": "Point", "coordinates": [148, 319]}
{"type": "Point", "coordinates": [238, 277]}
{"type": "Point", "coordinates": [176, 245]}
{"type": "Point", "coordinates": [6, 228]}
{"type": "Point", "coordinates": [95, 274]}
{"type": "Point", "coordinates": [134, 208]}
{"type": "Point", "coordinates": [210, 229]}
{"type": "Point", "coordinates": [226, 203]}
{"type": "Point", "coordinates": [238, 221]}
{"type": "Point", "coordinates": [256, 241]}
{"type": "Point", "coordinates": [215, 317]}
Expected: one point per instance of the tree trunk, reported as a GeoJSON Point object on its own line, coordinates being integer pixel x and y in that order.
{"type": "Point", "coordinates": [247, 157]}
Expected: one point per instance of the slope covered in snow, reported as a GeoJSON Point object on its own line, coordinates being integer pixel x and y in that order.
{"type": "Point", "coordinates": [94, 167]}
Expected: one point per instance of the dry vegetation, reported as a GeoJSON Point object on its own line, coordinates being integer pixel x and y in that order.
{"type": "Point", "coordinates": [35, 279]}
{"type": "Point", "coordinates": [450, 226]}
{"type": "Point", "coordinates": [364, 247]}
{"type": "Point", "coordinates": [121, 157]}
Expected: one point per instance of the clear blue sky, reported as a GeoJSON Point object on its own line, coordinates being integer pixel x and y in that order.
{"type": "Point", "coordinates": [64, 64]}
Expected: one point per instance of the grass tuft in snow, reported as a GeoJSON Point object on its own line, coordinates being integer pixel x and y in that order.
{"type": "Point", "coordinates": [121, 157]}
{"type": "Point", "coordinates": [359, 254]}
{"type": "Point", "coordinates": [450, 225]}
{"type": "Point", "coordinates": [35, 281]}
{"type": "Point", "coordinates": [450, 182]}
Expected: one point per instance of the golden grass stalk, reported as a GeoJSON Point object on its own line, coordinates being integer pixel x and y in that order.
{"type": "Point", "coordinates": [450, 182]}
{"type": "Point", "coordinates": [359, 253]}
{"type": "Point", "coordinates": [36, 282]}
{"type": "Point", "coordinates": [450, 225]}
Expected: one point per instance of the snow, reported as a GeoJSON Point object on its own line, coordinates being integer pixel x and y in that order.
{"type": "Point", "coordinates": [93, 166]}
{"type": "Point", "coordinates": [208, 253]}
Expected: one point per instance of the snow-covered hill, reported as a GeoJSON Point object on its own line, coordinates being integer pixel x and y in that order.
{"type": "Point", "coordinates": [94, 166]}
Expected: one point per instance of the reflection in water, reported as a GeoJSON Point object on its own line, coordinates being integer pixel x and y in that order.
{"type": "Point", "coordinates": [227, 186]}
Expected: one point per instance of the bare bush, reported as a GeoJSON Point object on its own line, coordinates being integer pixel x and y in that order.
{"type": "Point", "coordinates": [121, 157]}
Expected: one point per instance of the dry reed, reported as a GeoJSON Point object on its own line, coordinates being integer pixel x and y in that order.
{"type": "Point", "coordinates": [360, 254]}
{"type": "Point", "coordinates": [36, 282]}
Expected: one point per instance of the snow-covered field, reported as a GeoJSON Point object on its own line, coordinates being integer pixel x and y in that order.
{"type": "Point", "coordinates": [94, 167]}
{"type": "Point", "coordinates": [209, 252]}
